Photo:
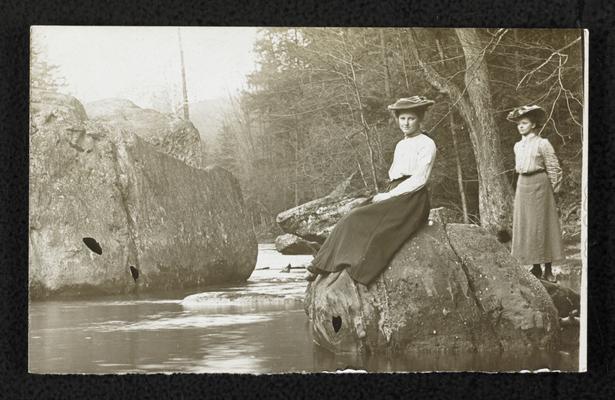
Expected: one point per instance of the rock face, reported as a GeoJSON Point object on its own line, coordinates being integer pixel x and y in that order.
{"type": "Point", "coordinates": [313, 221]}
{"type": "Point", "coordinates": [175, 225]}
{"type": "Point", "coordinates": [565, 299]}
{"type": "Point", "coordinates": [169, 134]}
{"type": "Point", "coordinates": [444, 215]}
{"type": "Point", "coordinates": [293, 245]}
{"type": "Point", "coordinates": [451, 287]}
{"type": "Point", "coordinates": [222, 301]}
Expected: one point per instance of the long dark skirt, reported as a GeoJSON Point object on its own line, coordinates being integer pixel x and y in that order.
{"type": "Point", "coordinates": [366, 239]}
{"type": "Point", "coordinates": [537, 236]}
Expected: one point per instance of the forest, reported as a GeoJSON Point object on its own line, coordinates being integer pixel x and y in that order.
{"type": "Point", "coordinates": [314, 112]}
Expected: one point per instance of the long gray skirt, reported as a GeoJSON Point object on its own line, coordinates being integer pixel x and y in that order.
{"type": "Point", "coordinates": [537, 237]}
{"type": "Point", "coordinates": [366, 239]}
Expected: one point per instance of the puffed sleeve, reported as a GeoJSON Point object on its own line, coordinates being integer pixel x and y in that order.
{"type": "Point", "coordinates": [551, 164]}
{"type": "Point", "coordinates": [420, 176]}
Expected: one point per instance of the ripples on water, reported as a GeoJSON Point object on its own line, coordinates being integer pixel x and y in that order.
{"type": "Point", "coordinates": [221, 330]}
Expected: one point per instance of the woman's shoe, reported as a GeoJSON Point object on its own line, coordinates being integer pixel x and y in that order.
{"type": "Point", "coordinates": [548, 275]}
{"type": "Point", "coordinates": [536, 271]}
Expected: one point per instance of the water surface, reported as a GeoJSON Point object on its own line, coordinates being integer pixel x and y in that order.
{"type": "Point", "coordinates": [220, 330]}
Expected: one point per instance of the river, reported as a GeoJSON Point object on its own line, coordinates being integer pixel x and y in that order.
{"type": "Point", "coordinates": [222, 330]}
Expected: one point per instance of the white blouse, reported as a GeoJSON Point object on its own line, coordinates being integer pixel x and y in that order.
{"type": "Point", "coordinates": [413, 156]}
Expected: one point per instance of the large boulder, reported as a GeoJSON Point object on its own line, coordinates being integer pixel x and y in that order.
{"type": "Point", "coordinates": [517, 305]}
{"type": "Point", "coordinates": [565, 299]}
{"type": "Point", "coordinates": [313, 221]}
{"type": "Point", "coordinates": [159, 223]}
{"type": "Point", "coordinates": [48, 106]}
{"type": "Point", "coordinates": [449, 288]}
{"type": "Point", "coordinates": [293, 245]}
{"type": "Point", "coordinates": [168, 133]}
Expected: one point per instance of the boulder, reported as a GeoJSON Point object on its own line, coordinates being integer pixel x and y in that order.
{"type": "Point", "coordinates": [517, 305]}
{"type": "Point", "coordinates": [565, 299]}
{"type": "Point", "coordinates": [223, 301]}
{"type": "Point", "coordinates": [159, 223]}
{"type": "Point", "coordinates": [48, 107]}
{"type": "Point", "coordinates": [313, 221]}
{"type": "Point", "coordinates": [444, 215]}
{"type": "Point", "coordinates": [290, 244]}
{"type": "Point", "coordinates": [449, 288]}
{"type": "Point", "coordinates": [168, 133]}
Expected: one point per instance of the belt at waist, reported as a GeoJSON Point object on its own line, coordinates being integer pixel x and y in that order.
{"type": "Point", "coordinates": [532, 173]}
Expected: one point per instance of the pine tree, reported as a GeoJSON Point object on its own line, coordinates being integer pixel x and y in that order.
{"type": "Point", "coordinates": [43, 75]}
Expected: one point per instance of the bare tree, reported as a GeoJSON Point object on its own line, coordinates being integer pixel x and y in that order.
{"type": "Point", "coordinates": [474, 106]}
{"type": "Point", "coordinates": [462, 193]}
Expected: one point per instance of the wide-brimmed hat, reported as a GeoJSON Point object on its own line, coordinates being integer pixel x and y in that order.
{"type": "Point", "coordinates": [533, 111]}
{"type": "Point", "coordinates": [411, 103]}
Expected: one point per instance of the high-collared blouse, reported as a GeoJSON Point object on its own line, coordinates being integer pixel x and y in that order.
{"type": "Point", "coordinates": [534, 153]}
{"type": "Point", "coordinates": [414, 156]}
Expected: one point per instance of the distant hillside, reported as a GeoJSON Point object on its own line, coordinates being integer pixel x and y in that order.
{"type": "Point", "coordinates": [207, 117]}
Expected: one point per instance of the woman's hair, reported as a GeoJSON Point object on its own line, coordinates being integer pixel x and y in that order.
{"type": "Point", "coordinates": [420, 112]}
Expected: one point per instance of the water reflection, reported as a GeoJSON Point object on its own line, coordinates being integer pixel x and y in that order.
{"type": "Point", "coordinates": [427, 362]}
{"type": "Point", "coordinates": [163, 337]}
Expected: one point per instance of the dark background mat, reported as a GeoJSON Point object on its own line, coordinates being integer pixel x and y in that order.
{"type": "Point", "coordinates": [17, 16]}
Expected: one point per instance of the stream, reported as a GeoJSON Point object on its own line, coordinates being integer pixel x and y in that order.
{"type": "Point", "coordinates": [255, 327]}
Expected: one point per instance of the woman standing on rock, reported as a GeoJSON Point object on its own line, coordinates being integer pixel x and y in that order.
{"type": "Point", "coordinates": [365, 240]}
{"type": "Point", "coordinates": [536, 229]}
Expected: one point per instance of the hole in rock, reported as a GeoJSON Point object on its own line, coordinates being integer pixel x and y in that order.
{"type": "Point", "coordinates": [503, 236]}
{"type": "Point", "coordinates": [337, 323]}
{"type": "Point", "coordinates": [134, 272]}
{"type": "Point", "coordinates": [92, 245]}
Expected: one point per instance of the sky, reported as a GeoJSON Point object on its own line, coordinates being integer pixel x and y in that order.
{"type": "Point", "coordinates": [137, 62]}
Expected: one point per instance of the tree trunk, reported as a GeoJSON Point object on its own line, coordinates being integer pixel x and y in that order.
{"type": "Point", "coordinates": [517, 61]}
{"type": "Point", "coordinates": [383, 53]}
{"type": "Point", "coordinates": [462, 192]}
{"type": "Point", "coordinates": [495, 194]}
{"type": "Point", "coordinates": [364, 125]}
{"type": "Point", "coordinates": [474, 106]}
{"type": "Point", "coordinates": [184, 88]}
{"type": "Point", "coordinates": [403, 61]}
{"type": "Point", "coordinates": [296, 162]}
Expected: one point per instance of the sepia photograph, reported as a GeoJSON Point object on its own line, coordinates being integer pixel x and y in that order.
{"type": "Point", "coordinates": [270, 200]}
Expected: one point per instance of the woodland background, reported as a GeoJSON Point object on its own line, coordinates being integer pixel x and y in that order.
{"type": "Point", "coordinates": [314, 112]}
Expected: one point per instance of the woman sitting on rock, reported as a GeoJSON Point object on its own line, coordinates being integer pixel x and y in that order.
{"type": "Point", "coordinates": [536, 230]}
{"type": "Point", "coordinates": [366, 239]}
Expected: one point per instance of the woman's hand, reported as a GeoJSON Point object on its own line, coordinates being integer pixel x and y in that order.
{"type": "Point", "coordinates": [380, 196]}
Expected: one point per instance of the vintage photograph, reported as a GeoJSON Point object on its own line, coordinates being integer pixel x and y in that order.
{"type": "Point", "coordinates": [266, 200]}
